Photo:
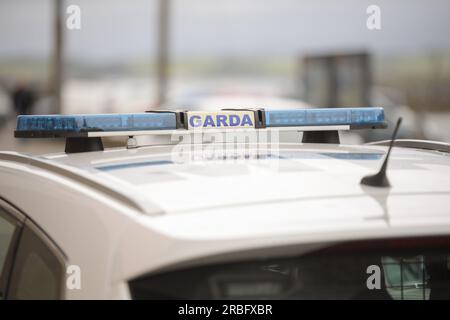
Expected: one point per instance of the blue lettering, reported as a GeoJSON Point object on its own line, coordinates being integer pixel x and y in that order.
{"type": "Point", "coordinates": [209, 122]}
{"type": "Point", "coordinates": [234, 120]}
{"type": "Point", "coordinates": [246, 120]}
{"type": "Point", "coordinates": [195, 121]}
{"type": "Point", "coordinates": [222, 119]}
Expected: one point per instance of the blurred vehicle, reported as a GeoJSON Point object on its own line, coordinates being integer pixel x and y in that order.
{"type": "Point", "coordinates": [225, 97]}
{"type": "Point", "coordinates": [209, 220]}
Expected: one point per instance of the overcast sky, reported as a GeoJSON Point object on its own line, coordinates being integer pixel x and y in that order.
{"type": "Point", "coordinates": [114, 30]}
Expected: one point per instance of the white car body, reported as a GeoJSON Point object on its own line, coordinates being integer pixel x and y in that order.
{"type": "Point", "coordinates": [122, 213]}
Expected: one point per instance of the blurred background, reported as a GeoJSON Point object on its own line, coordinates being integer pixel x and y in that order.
{"type": "Point", "coordinates": [137, 55]}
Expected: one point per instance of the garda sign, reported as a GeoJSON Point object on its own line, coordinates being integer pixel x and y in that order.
{"type": "Point", "coordinates": [225, 119]}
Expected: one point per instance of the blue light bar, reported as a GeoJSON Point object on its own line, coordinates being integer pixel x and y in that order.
{"type": "Point", "coordinates": [354, 117]}
{"type": "Point", "coordinates": [96, 122]}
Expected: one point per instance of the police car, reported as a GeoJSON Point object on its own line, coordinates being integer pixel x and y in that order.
{"type": "Point", "coordinates": [224, 209]}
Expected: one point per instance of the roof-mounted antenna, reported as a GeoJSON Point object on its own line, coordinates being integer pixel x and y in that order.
{"type": "Point", "coordinates": [380, 179]}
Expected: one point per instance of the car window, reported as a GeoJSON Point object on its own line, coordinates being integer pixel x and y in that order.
{"type": "Point", "coordinates": [393, 269]}
{"type": "Point", "coordinates": [9, 228]}
{"type": "Point", "coordinates": [411, 278]}
{"type": "Point", "coordinates": [38, 269]}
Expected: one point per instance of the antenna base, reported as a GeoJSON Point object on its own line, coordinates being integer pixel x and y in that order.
{"type": "Point", "coordinates": [377, 180]}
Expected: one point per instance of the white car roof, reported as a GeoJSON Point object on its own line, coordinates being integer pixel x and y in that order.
{"type": "Point", "coordinates": [313, 183]}
{"type": "Point", "coordinates": [186, 209]}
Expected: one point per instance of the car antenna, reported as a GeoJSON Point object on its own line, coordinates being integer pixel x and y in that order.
{"type": "Point", "coordinates": [380, 179]}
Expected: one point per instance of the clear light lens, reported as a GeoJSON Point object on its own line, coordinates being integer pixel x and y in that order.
{"type": "Point", "coordinates": [101, 122]}
{"type": "Point", "coordinates": [325, 116]}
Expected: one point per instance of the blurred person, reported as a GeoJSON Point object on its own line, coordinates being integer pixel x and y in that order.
{"type": "Point", "coordinates": [23, 98]}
